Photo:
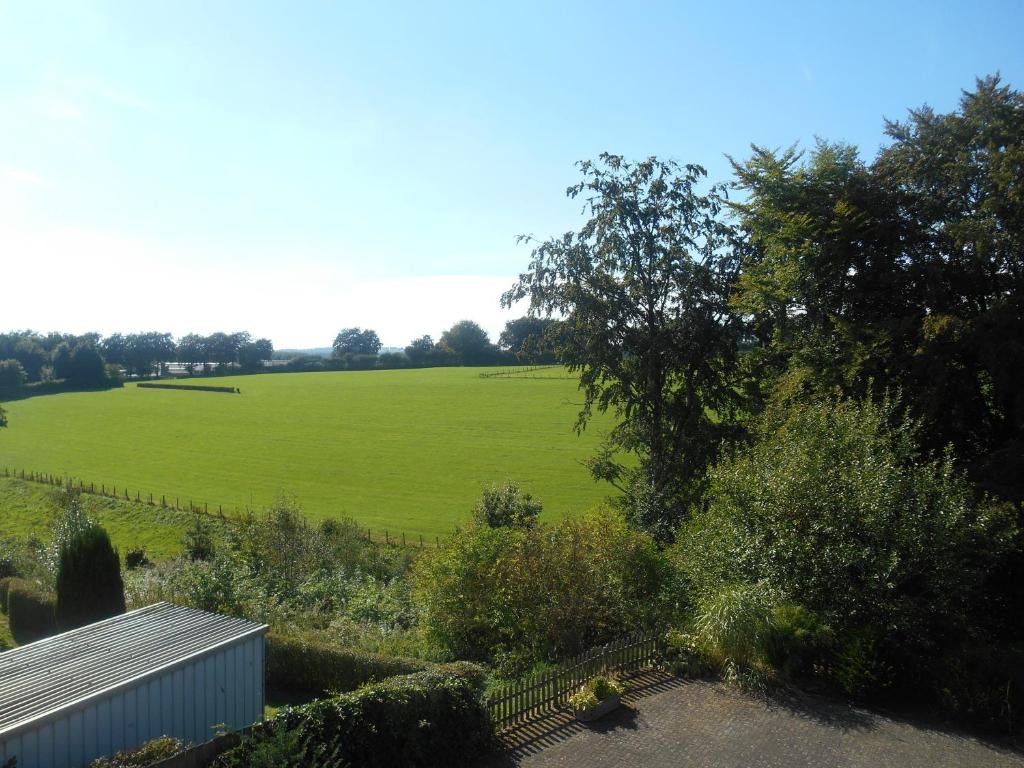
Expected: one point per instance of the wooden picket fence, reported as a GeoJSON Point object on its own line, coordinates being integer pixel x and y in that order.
{"type": "Point", "coordinates": [525, 698]}
{"type": "Point", "coordinates": [385, 536]}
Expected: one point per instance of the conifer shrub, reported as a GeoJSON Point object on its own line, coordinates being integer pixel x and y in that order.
{"type": "Point", "coordinates": [89, 585]}
{"type": "Point", "coordinates": [30, 612]}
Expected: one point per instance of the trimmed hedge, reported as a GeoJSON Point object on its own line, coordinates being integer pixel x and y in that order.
{"type": "Point", "coordinates": [30, 611]}
{"type": "Point", "coordinates": [198, 387]}
{"type": "Point", "coordinates": [434, 718]}
{"type": "Point", "coordinates": [5, 585]}
{"type": "Point", "coordinates": [298, 664]}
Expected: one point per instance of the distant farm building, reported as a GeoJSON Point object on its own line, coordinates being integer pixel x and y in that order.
{"type": "Point", "coordinates": [162, 670]}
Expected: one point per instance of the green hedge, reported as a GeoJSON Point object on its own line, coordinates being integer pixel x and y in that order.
{"type": "Point", "coordinates": [434, 718]}
{"type": "Point", "coordinates": [300, 664]}
{"type": "Point", "coordinates": [198, 387]}
{"type": "Point", "coordinates": [30, 611]}
{"type": "Point", "coordinates": [5, 585]}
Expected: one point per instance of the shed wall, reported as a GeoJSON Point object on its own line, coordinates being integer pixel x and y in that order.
{"type": "Point", "coordinates": [187, 701]}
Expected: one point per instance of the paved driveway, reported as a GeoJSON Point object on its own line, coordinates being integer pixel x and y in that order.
{"type": "Point", "coordinates": [696, 724]}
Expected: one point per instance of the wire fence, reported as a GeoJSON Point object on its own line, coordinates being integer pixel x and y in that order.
{"type": "Point", "coordinates": [177, 503]}
{"type": "Point", "coordinates": [525, 698]}
{"type": "Point", "coordinates": [530, 372]}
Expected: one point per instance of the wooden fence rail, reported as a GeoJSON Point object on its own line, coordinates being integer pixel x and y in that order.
{"type": "Point", "coordinates": [516, 702]}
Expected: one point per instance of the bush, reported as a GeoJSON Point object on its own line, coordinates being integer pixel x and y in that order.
{"type": "Point", "coordinates": [136, 558]}
{"type": "Point", "coordinates": [684, 655]}
{"type": "Point", "coordinates": [506, 506]}
{"type": "Point", "coordinates": [298, 664]}
{"type": "Point", "coordinates": [432, 718]}
{"type": "Point", "coordinates": [89, 585]}
{"type": "Point", "coordinates": [540, 593]}
{"type": "Point", "coordinates": [833, 508]}
{"type": "Point", "coordinates": [797, 642]}
{"type": "Point", "coordinates": [3, 417]}
{"type": "Point", "coordinates": [30, 612]}
{"type": "Point", "coordinates": [141, 757]}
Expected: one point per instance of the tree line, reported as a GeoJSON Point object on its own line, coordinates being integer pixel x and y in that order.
{"type": "Point", "coordinates": [27, 357]}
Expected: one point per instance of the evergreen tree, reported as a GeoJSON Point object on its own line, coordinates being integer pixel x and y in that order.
{"type": "Point", "coordinates": [89, 585]}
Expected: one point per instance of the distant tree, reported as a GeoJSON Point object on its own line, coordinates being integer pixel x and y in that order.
{"type": "Point", "coordinates": [419, 350]}
{"type": "Point", "coordinates": [12, 375]}
{"type": "Point", "coordinates": [356, 341]}
{"type": "Point", "coordinates": [252, 354]}
{"type": "Point", "coordinates": [190, 351]}
{"type": "Point", "coordinates": [469, 344]}
{"type": "Point", "coordinates": [32, 357]}
{"type": "Point", "coordinates": [114, 348]}
{"type": "Point", "coordinates": [86, 365]}
{"type": "Point", "coordinates": [529, 338]}
{"type": "Point", "coordinates": [89, 584]}
{"type": "Point", "coordinates": [145, 352]}
{"type": "Point", "coordinates": [644, 286]}
{"type": "Point", "coordinates": [61, 360]}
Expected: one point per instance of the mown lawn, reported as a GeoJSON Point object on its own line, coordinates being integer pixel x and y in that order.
{"type": "Point", "coordinates": [399, 450]}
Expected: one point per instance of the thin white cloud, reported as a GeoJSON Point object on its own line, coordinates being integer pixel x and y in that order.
{"type": "Point", "coordinates": [22, 177]}
{"type": "Point", "coordinates": [61, 109]}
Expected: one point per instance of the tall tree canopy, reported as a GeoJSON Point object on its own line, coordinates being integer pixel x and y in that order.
{"type": "Point", "coordinates": [905, 273]}
{"type": "Point", "coordinates": [356, 341]}
{"type": "Point", "coordinates": [644, 289]}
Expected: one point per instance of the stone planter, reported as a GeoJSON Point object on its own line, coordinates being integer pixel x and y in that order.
{"type": "Point", "coordinates": [602, 708]}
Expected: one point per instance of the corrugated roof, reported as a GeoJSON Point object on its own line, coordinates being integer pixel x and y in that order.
{"type": "Point", "coordinates": [52, 674]}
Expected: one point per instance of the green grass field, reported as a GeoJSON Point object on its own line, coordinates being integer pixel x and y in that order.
{"type": "Point", "coordinates": [26, 509]}
{"type": "Point", "coordinates": [399, 450]}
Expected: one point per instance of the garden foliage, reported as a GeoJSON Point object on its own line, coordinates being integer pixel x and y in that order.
{"type": "Point", "coordinates": [431, 718]}
{"type": "Point", "coordinates": [30, 611]}
{"type": "Point", "coordinates": [523, 594]}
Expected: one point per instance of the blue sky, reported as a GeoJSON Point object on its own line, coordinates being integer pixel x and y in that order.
{"type": "Point", "coordinates": [295, 168]}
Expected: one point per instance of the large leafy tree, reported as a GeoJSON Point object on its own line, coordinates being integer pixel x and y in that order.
{"type": "Point", "coordinates": [356, 341]}
{"type": "Point", "coordinates": [905, 273]}
{"type": "Point", "coordinates": [468, 344]}
{"type": "Point", "coordinates": [644, 289]}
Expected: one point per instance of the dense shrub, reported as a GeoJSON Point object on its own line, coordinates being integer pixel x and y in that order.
{"type": "Point", "coordinates": [136, 558]}
{"type": "Point", "coordinates": [507, 505]}
{"type": "Point", "coordinates": [527, 594]}
{"type": "Point", "coordinates": [325, 581]}
{"type": "Point", "coordinates": [89, 585]}
{"type": "Point", "coordinates": [425, 719]}
{"type": "Point", "coordinates": [30, 612]}
{"type": "Point", "coordinates": [3, 417]}
{"type": "Point", "coordinates": [143, 756]}
{"type": "Point", "coordinates": [833, 508]}
{"type": "Point", "coordinates": [301, 664]}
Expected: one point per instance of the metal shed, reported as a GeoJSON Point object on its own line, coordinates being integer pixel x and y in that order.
{"type": "Point", "coordinates": [162, 670]}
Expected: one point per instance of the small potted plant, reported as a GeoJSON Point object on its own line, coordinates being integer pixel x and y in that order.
{"type": "Point", "coordinates": [596, 698]}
